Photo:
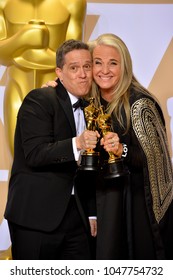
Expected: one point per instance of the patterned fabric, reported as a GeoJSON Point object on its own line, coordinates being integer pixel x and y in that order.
{"type": "Point", "coordinates": [151, 133]}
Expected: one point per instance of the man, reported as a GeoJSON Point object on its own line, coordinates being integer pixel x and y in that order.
{"type": "Point", "coordinates": [48, 205]}
{"type": "Point", "coordinates": [29, 38]}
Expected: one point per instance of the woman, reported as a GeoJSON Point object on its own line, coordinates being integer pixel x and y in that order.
{"type": "Point", "coordinates": [135, 211]}
{"type": "Point", "coordinates": [137, 118]}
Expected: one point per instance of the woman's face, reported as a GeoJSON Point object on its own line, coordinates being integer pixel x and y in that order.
{"type": "Point", "coordinates": [106, 69]}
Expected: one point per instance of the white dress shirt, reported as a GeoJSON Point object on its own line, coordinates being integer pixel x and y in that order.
{"type": "Point", "coordinates": [80, 124]}
{"type": "Point", "coordinates": [80, 127]}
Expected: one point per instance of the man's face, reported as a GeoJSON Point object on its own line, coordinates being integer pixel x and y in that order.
{"type": "Point", "coordinates": [76, 74]}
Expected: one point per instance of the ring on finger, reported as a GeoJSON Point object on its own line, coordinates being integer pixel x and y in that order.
{"type": "Point", "coordinates": [113, 144]}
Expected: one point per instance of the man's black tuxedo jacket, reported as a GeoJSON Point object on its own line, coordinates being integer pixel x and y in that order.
{"type": "Point", "coordinates": [44, 168]}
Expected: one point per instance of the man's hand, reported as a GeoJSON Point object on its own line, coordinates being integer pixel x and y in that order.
{"type": "Point", "coordinates": [87, 140]}
{"type": "Point", "coordinates": [93, 227]}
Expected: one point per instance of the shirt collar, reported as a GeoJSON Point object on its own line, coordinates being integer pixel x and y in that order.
{"type": "Point", "coordinates": [73, 98]}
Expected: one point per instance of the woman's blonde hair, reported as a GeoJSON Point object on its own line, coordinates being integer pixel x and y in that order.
{"type": "Point", "coordinates": [120, 94]}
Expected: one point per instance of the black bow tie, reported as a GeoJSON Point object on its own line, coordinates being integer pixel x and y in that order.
{"type": "Point", "coordinates": [80, 103]}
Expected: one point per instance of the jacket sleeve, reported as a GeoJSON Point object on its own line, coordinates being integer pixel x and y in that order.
{"type": "Point", "coordinates": [37, 121]}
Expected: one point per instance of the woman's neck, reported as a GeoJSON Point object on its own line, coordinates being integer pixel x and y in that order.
{"type": "Point", "coordinates": [106, 96]}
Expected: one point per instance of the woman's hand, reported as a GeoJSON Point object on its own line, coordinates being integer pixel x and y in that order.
{"type": "Point", "coordinates": [110, 143]}
{"type": "Point", "coordinates": [50, 84]}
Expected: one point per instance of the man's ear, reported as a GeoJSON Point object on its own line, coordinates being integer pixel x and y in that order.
{"type": "Point", "coordinates": [58, 72]}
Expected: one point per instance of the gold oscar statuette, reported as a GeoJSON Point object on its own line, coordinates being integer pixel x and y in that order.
{"type": "Point", "coordinates": [114, 167]}
{"type": "Point", "coordinates": [90, 158]}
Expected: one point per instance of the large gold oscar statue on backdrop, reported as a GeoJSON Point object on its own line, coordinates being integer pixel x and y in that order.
{"type": "Point", "coordinates": [30, 33]}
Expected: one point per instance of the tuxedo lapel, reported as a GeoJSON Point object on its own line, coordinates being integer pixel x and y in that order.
{"type": "Point", "coordinates": [65, 102]}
